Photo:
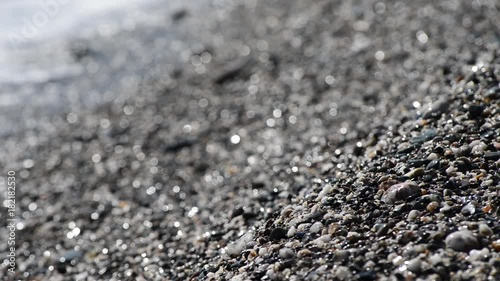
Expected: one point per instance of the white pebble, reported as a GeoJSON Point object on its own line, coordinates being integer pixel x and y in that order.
{"type": "Point", "coordinates": [316, 227]}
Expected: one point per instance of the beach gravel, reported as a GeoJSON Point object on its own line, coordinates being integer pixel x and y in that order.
{"type": "Point", "coordinates": [299, 140]}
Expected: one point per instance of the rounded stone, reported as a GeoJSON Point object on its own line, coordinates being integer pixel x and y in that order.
{"type": "Point", "coordinates": [400, 191]}
{"type": "Point", "coordinates": [316, 227]}
{"type": "Point", "coordinates": [286, 253]}
{"type": "Point", "coordinates": [462, 241]}
{"type": "Point", "coordinates": [415, 265]}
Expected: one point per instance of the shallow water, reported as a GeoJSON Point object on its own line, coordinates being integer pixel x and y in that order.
{"type": "Point", "coordinates": [39, 75]}
{"type": "Point", "coordinates": [25, 24]}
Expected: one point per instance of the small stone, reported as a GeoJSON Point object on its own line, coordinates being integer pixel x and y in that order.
{"type": "Point", "coordinates": [492, 155]}
{"type": "Point", "coordinates": [413, 215]}
{"type": "Point", "coordinates": [262, 252]}
{"type": "Point", "coordinates": [433, 156]}
{"type": "Point", "coordinates": [433, 164]}
{"type": "Point", "coordinates": [432, 198]}
{"type": "Point", "coordinates": [325, 238]}
{"type": "Point", "coordinates": [462, 241]}
{"type": "Point", "coordinates": [343, 273]}
{"type": "Point", "coordinates": [316, 227]}
{"type": "Point", "coordinates": [476, 110]}
{"type": "Point", "coordinates": [235, 248]}
{"type": "Point", "coordinates": [304, 252]}
{"type": "Point", "coordinates": [414, 265]}
{"type": "Point", "coordinates": [496, 245]}
{"type": "Point", "coordinates": [486, 208]}
{"type": "Point", "coordinates": [286, 253]}
{"type": "Point", "coordinates": [485, 230]}
{"type": "Point", "coordinates": [468, 209]}
{"type": "Point", "coordinates": [435, 259]}
{"type": "Point", "coordinates": [278, 234]}
{"type": "Point", "coordinates": [415, 173]}
{"type": "Point", "coordinates": [341, 255]}
{"type": "Point", "coordinates": [398, 260]}
{"type": "Point", "coordinates": [353, 236]}
{"type": "Point", "coordinates": [477, 255]}
{"type": "Point", "coordinates": [426, 219]}
{"type": "Point", "coordinates": [400, 191]}
{"type": "Point", "coordinates": [436, 109]}
{"type": "Point", "coordinates": [447, 192]}
{"type": "Point", "coordinates": [291, 232]}
{"type": "Point", "coordinates": [431, 207]}
{"type": "Point", "coordinates": [366, 275]}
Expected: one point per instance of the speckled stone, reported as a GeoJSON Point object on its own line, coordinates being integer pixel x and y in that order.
{"type": "Point", "coordinates": [462, 241]}
{"type": "Point", "coordinates": [400, 191]}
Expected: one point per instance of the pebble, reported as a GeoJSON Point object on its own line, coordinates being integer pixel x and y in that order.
{"type": "Point", "coordinates": [431, 207]}
{"type": "Point", "coordinates": [413, 215]}
{"type": "Point", "coordinates": [235, 248]}
{"type": "Point", "coordinates": [496, 245]}
{"type": "Point", "coordinates": [304, 252]}
{"type": "Point", "coordinates": [415, 265]}
{"type": "Point", "coordinates": [433, 156]}
{"type": "Point", "coordinates": [262, 252]}
{"type": "Point", "coordinates": [476, 255]}
{"type": "Point", "coordinates": [291, 232]}
{"type": "Point", "coordinates": [462, 241]}
{"type": "Point", "coordinates": [400, 191]}
{"type": "Point", "coordinates": [316, 227]}
{"type": "Point", "coordinates": [468, 209]}
{"type": "Point", "coordinates": [286, 253]}
{"type": "Point", "coordinates": [341, 255]}
{"type": "Point", "coordinates": [343, 273]}
{"type": "Point", "coordinates": [485, 230]}
{"type": "Point", "coordinates": [278, 234]}
{"type": "Point", "coordinates": [492, 155]}
{"type": "Point", "coordinates": [436, 109]}
{"type": "Point", "coordinates": [415, 173]}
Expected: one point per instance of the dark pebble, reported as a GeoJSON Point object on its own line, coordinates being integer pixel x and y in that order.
{"type": "Point", "coordinates": [179, 15]}
{"type": "Point", "coordinates": [278, 234]}
{"type": "Point", "coordinates": [476, 110]}
{"type": "Point", "coordinates": [419, 162]}
{"type": "Point", "coordinates": [406, 150]}
{"type": "Point", "coordinates": [400, 191]}
{"type": "Point", "coordinates": [366, 276]}
{"type": "Point", "coordinates": [492, 155]}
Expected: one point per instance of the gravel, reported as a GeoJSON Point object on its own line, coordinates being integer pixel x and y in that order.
{"type": "Point", "coordinates": [320, 141]}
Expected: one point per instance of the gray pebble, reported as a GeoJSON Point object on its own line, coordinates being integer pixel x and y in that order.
{"type": "Point", "coordinates": [415, 265]}
{"type": "Point", "coordinates": [437, 108]}
{"type": "Point", "coordinates": [316, 227]}
{"type": "Point", "coordinates": [413, 215]}
{"type": "Point", "coordinates": [462, 241]}
{"type": "Point", "coordinates": [287, 253]}
{"type": "Point", "coordinates": [341, 255]}
{"type": "Point", "coordinates": [485, 230]}
{"type": "Point", "coordinates": [400, 191]}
